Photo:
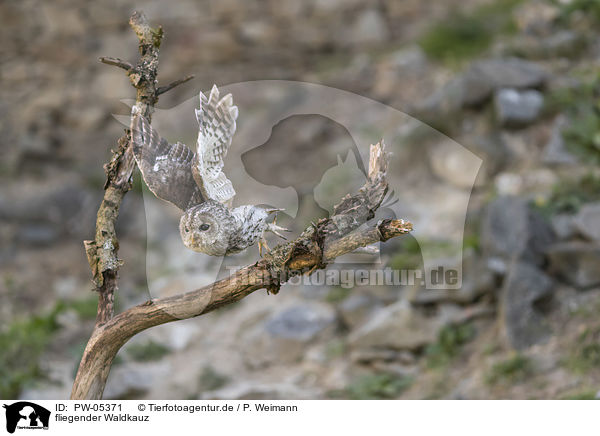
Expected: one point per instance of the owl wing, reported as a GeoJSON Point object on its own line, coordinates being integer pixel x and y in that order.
{"type": "Point", "coordinates": [166, 168]}
{"type": "Point", "coordinates": [216, 122]}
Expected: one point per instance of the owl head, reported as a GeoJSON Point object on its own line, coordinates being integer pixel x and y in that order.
{"type": "Point", "coordinates": [206, 228]}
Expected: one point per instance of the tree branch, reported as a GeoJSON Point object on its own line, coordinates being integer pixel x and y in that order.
{"type": "Point", "coordinates": [163, 89]}
{"type": "Point", "coordinates": [102, 251]}
{"type": "Point", "coordinates": [318, 244]}
{"type": "Point", "coordinates": [116, 62]}
{"type": "Point", "coordinates": [346, 230]}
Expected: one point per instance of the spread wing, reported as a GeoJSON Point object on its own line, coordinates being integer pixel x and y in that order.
{"type": "Point", "coordinates": [166, 168]}
{"type": "Point", "coordinates": [216, 120]}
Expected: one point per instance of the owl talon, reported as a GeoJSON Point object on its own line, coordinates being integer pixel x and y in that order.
{"type": "Point", "coordinates": [274, 228]}
{"type": "Point", "coordinates": [262, 242]}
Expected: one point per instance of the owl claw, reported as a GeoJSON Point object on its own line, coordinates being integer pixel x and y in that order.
{"type": "Point", "coordinates": [262, 242]}
{"type": "Point", "coordinates": [274, 228]}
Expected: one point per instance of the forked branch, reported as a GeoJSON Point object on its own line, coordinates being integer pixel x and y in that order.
{"type": "Point", "coordinates": [346, 230]}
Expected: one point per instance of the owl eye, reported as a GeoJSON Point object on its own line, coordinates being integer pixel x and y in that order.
{"type": "Point", "coordinates": [204, 227]}
{"type": "Point", "coordinates": [186, 229]}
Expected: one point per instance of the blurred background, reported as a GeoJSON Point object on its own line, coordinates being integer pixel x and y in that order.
{"type": "Point", "coordinates": [514, 81]}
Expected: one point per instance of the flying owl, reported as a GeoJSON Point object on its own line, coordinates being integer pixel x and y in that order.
{"type": "Point", "coordinates": [193, 180]}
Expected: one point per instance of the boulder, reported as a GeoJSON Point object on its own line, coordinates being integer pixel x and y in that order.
{"type": "Point", "coordinates": [516, 108]}
{"type": "Point", "coordinates": [248, 390]}
{"type": "Point", "coordinates": [356, 309]}
{"type": "Point", "coordinates": [525, 286]}
{"type": "Point", "coordinates": [511, 229]}
{"type": "Point", "coordinates": [478, 279]}
{"type": "Point", "coordinates": [576, 262]}
{"type": "Point", "coordinates": [587, 221]}
{"type": "Point", "coordinates": [453, 164]}
{"type": "Point", "coordinates": [563, 225]}
{"type": "Point", "coordinates": [555, 151]}
{"type": "Point", "coordinates": [477, 84]}
{"type": "Point", "coordinates": [135, 380]}
{"type": "Point", "coordinates": [283, 338]}
{"type": "Point", "coordinates": [398, 327]}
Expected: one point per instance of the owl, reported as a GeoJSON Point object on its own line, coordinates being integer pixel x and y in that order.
{"type": "Point", "coordinates": [194, 181]}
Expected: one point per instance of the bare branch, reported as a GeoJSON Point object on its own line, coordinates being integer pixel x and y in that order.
{"type": "Point", "coordinates": [116, 62]}
{"type": "Point", "coordinates": [318, 244]}
{"type": "Point", "coordinates": [163, 89]}
{"type": "Point", "coordinates": [343, 232]}
{"type": "Point", "coordinates": [102, 251]}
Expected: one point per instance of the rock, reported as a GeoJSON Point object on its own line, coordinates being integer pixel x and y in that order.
{"type": "Point", "coordinates": [403, 66]}
{"type": "Point", "coordinates": [453, 164]}
{"type": "Point", "coordinates": [478, 279]}
{"type": "Point", "coordinates": [355, 310]}
{"type": "Point", "coordinates": [368, 355]}
{"type": "Point", "coordinates": [46, 213]}
{"type": "Point", "coordinates": [555, 151]}
{"type": "Point", "coordinates": [493, 150]}
{"type": "Point", "coordinates": [508, 184]}
{"type": "Point", "coordinates": [522, 323]}
{"type": "Point", "coordinates": [257, 32]}
{"type": "Point", "coordinates": [134, 380]}
{"type": "Point", "coordinates": [587, 221]}
{"type": "Point", "coordinates": [511, 229]}
{"type": "Point", "coordinates": [479, 81]}
{"type": "Point", "coordinates": [576, 262]}
{"type": "Point", "coordinates": [563, 225]}
{"type": "Point", "coordinates": [535, 182]}
{"type": "Point", "coordinates": [503, 73]}
{"type": "Point", "coordinates": [283, 337]}
{"type": "Point", "coordinates": [37, 234]}
{"type": "Point", "coordinates": [247, 390]}
{"type": "Point", "coordinates": [536, 17]}
{"type": "Point", "coordinates": [398, 327]}
{"type": "Point", "coordinates": [564, 43]}
{"type": "Point", "coordinates": [369, 27]}
{"type": "Point", "coordinates": [517, 108]}
{"type": "Point", "coordinates": [300, 323]}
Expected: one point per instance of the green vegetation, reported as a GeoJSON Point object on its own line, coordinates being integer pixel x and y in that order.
{"type": "Point", "coordinates": [513, 370]}
{"type": "Point", "coordinates": [147, 352]}
{"type": "Point", "coordinates": [408, 254]}
{"type": "Point", "coordinates": [471, 241]}
{"type": "Point", "coordinates": [581, 106]}
{"type": "Point", "coordinates": [24, 341]}
{"type": "Point", "coordinates": [466, 35]}
{"type": "Point", "coordinates": [337, 294]}
{"type": "Point", "coordinates": [376, 387]}
{"type": "Point", "coordinates": [569, 196]}
{"type": "Point", "coordinates": [335, 348]}
{"type": "Point", "coordinates": [211, 380]}
{"type": "Point", "coordinates": [85, 308]}
{"type": "Point", "coordinates": [409, 251]}
{"type": "Point", "coordinates": [448, 345]}
{"type": "Point", "coordinates": [585, 354]}
{"type": "Point", "coordinates": [22, 344]}
{"type": "Point", "coordinates": [587, 8]}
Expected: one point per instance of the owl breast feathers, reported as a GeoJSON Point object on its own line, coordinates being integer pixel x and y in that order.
{"type": "Point", "coordinates": [194, 181]}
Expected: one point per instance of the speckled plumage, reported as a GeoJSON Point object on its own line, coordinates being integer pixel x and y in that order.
{"type": "Point", "coordinates": [194, 180]}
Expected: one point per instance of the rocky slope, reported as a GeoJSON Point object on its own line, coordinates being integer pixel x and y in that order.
{"type": "Point", "coordinates": [513, 82]}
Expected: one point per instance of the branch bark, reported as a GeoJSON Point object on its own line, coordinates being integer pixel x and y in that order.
{"type": "Point", "coordinates": [102, 251]}
{"type": "Point", "coordinates": [346, 230]}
